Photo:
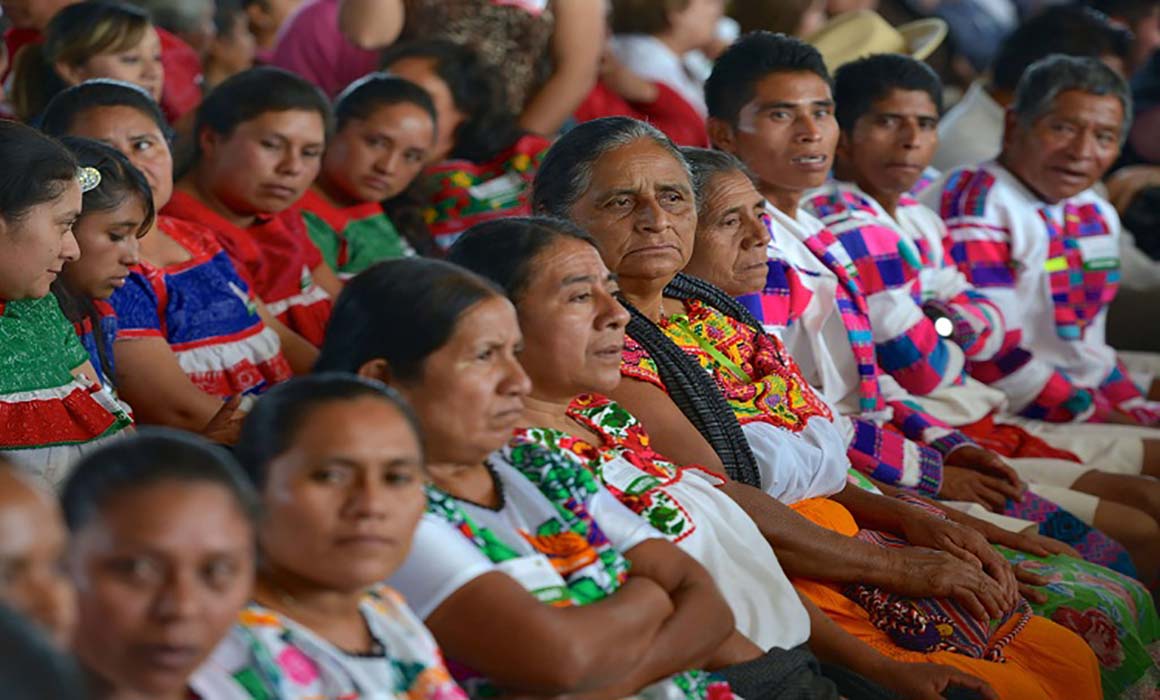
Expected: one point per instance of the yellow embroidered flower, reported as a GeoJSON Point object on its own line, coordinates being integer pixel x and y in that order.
{"type": "Point", "coordinates": [461, 179]}
{"type": "Point", "coordinates": [430, 215]}
{"type": "Point", "coordinates": [521, 162]}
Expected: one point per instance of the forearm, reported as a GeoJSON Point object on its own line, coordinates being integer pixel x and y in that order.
{"type": "Point", "coordinates": [297, 350]}
{"type": "Point", "coordinates": [371, 24]}
{"type": "Point", "coordinates": [876, 512]}
{"type": "Point", "coordinates": [806, 550]}
{"type": "Point", "coordinates": [832, 644]}
{"type": "Point", "coordinates": [557, 99]}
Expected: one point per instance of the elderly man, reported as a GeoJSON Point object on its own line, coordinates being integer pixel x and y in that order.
{"type": "Point", "coordinates": [1027, 231]}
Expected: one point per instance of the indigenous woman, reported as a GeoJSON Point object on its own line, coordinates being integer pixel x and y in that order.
{"type": "Point", "coordinates": [631, 188]}
{"type": "Point", "coordinates": [384, 132]}
{"type": "Point", "coordinates": [534, 579]}
{"type": "Point", "coordinates": [482, 164]}
{"type": "Point", "coordinates": [339, 465]}
{"type": "Point", "coordinates": [84, 41]}
{"type": "Point", "coordinates": [190, 333]}
{"type": "Point", "coordinates": [51, 400]}
{"type": "Point", "coordinates": [259, 139]}
{"type": "Point", "coordinates": [162, 555]}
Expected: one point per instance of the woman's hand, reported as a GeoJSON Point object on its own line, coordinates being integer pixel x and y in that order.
{"type": "Point", "coordinates": [930, 681]}
{"type": "Point", "coordinates": [1029, 584]}
{"type": "Point", "coordinates": [226, 425]}
{"type": "Point", "coordinates": [1030, 542]}
{"type": "Point", "coordinates": [967, 545]}
{"type": "Point", "coordinates": [985, 462]}
{"type": "Point", "coordinates": [925, 573]}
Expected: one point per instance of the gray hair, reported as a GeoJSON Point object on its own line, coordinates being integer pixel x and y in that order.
{"type": "Point", "coordinates": [565, 174]}
{"type": "Point", "coordinates": [706, 165]}
{"type": "Point", "coordinates": [1049, 77]}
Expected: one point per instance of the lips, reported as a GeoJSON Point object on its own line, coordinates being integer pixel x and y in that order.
{"type": "Point", "coordinates": [118, 282]}
{"type": "Point", "coordinates": [376, 184]}
{"type": "Point", "coordinates": [811, 162]}
{"type": "Point", "coordinates": [364, 540]}
{"type": "Point", "coordinates": [280, 191]}
{"type": "Point", "coordinates": [173, 658]}
{"type": "Point", "coordinates": [611, 352]}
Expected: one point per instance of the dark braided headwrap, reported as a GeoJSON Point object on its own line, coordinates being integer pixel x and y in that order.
{"type": "Point", "coordinates": [690, 387]}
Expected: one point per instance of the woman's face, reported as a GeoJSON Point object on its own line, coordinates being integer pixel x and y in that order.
{"type": "Point", "coordinates": [342, 503]}
{"type": "Point", "coordinates": [639, 205]}
{"type": "Point", "coordinates": [109, 246]}
{"type": "Point", "coordinates": [161, 573]}
{"type": "Point", "coordinates": [33, 542]}
{"type": "Point", "coordinates": [140, 65]}
{"type": "Point", "coordinates": [138, 138]}
{"type": "Point", "coordinates": [421, 71]}
{"type": "Point", "coordinates": [573, 326]}
{"type": "Point", "coordinates": [38, 243]}
{"type": "Point", "coordinates": [374, 159]}
{"type": "Point", "coordinates": [469, 396]}
{"type": "Point", "coordinates": [233, 51]}
{"type": "Point", "coordinates": [265, 165]}
{"type": "Point", "coordinates": [732, 236]}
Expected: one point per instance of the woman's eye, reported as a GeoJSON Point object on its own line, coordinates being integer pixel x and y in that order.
{"type": "Point", "coordinates": [219, 574]}
{"type": "Point", "coordinates": [581, 298]}
{"type": "Point", "coordinates": [328, 476]}
{"type": "Point", "coordinates": [137, 569]}
{"type": "Point", "coordinates": [399, 478]}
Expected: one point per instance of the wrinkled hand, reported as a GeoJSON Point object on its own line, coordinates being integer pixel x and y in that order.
{"type": "Point", "coordinates": [974, 487]}
{"type": "Point", "coordinates": [1029, 584]}
{"type": "Point", "coordinates": [226, 425]}
{"type": "Point", "coordinates": [926, 573]}
{"type": "Point", "coordinates": [1031, 543]}
{"type": "Point", "coordinates": [929, 681]}
{"type": "Point", "coordinates": [967, 545]}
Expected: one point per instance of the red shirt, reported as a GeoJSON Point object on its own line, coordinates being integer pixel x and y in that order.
{"type": "Point", "coordinates": [182, 91]}
{"type": "Point", "coordinates": [669, 112]}
{"type": "Point", "coordinates": [276, 257]}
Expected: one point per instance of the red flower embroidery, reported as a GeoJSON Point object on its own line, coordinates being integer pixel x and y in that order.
{"type": "Point", "coordinates": [1097, 630]}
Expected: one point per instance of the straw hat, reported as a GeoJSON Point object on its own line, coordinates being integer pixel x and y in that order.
{"type": "Point", "coordinates": [860, 33]}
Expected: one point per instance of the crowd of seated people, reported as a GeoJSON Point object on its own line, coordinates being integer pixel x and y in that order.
{"type": "Point", "coordinates": [671, 349]}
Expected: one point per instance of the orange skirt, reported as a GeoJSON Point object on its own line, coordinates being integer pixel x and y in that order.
{"type": "Point", "coordinates": [1043, 661]}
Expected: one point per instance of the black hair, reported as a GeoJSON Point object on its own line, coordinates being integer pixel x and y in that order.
{"type": "Point", "coordinates": [479, 93]}
{"type": "Point", "coordinates": [503, 250]}
{"type": "Point", "coordinates": [737, 71]}
{"type": "Point", "coordinates": [361, 98]}
{"type": "Point", "coordinates": [1131, 11]}
{"type": "Point", "coordinates": [252, 93]}
{"type": "Point", "coordinates": [75, 34]}
{"type": "Point", "coordinates": [37, 168]}
{"type": "Point", "coordinates": [271, 427]}
{"type": "Point", "coordinates": [31, 667]}
{"type": "Point", "coordinates": [119, 181]}
{"type": "Point", "coordinates": [227, 15]}
{"type": "Point", "coordinates": [859, 84]}
{"type": "Point", "coordinates": [1063, 29]}
{"type": "Point", "coordinates": [400, 311]}
{"type": "Point", "coordinates": [565, 174]}
{"type": "Point", "coordinates": [149, 457]}
{"type": "Point", "coordinates": [63, 111]}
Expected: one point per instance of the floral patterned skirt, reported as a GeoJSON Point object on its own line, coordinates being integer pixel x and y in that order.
{"type": "Point", "coordinates": [1114, 614]}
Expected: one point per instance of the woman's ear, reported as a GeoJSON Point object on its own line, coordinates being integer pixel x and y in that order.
{"type": "Point", "coordinates": [377, 369]}
{"type": "Point", "coordinates": [68, 72]}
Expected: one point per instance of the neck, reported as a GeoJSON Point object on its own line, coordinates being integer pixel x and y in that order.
{"type": "Point", "coordinates": [100, 689]}
{"type": "Point", "coordinates": [197, 184]}
{"type": "Point", "coordinates": [332, 193]}
{"type": "Point", "coordinates": [786, 201]}
{"type": "Point", "coordinates": [1007, 162]}
{"type": "Point", "coordinates": [646, 295]}
{"type": "Point", "coordinates": [547, 412]}
{"type": "Point", "coordinates": [470, 482]}
{"type": "Point", "coordinates": [151, 243]}
{"type": "Point", "coordinates": [1003, 97]}
{"type": "Point", "coordinates": [304, 600]}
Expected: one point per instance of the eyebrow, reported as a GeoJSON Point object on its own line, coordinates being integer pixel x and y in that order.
{"type": "Point", "coordinates": [674, 186]}
{"type": "Point", "coordinates": [785, 104]}
{"type": "Point", "coordinates": [919, 115]}
{"type": "Point", "coordinates": [578, 279]}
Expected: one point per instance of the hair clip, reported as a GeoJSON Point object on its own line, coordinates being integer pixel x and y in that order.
{"type": "Point", "coordinates": [89, 178]}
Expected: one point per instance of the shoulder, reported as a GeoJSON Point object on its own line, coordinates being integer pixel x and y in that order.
{"type": "Point", "coordinates": [637, 363]}
{"type": "Point", "coordinates": [967, 192]}
{"type": "Point", "coordinates": [835, 202]}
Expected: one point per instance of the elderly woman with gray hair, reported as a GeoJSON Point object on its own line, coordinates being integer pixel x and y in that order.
{"type": "Point", "coordinates": [713, 389]}
{"type": "Point", "coordinates": [1027, 230]}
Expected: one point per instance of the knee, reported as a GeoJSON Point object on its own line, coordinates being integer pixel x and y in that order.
{"type": "Point", "coordinates": [1131, 526]}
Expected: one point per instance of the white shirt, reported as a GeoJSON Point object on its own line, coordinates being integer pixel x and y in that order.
{"type": "Point", "coordinates": [649, 58]}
